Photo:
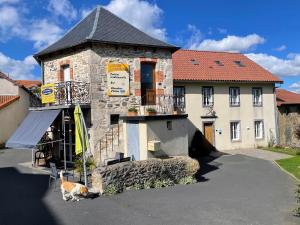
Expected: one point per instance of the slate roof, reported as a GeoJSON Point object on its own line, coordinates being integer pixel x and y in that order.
{"type": "Point", "coordinates": [191, 65]}
{"type": "Point", "coordinates": [284, 97]}
{"type": "Point", "coordinates": [104, 27]}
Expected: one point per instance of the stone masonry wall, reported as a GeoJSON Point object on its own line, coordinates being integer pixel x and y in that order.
{"type": "Point", "coordinates": [288, 122]}
{"type": "Point", "coordinates": [102, 105]}
{"type": "Point", "coordinates": [90, 65]}
{"type": "Point", "coordinates": [79, 66]}
{"type": "Point", "coordinates": [127, 174]}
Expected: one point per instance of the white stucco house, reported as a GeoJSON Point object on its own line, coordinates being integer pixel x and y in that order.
{"type": "Point", "coordinates": [228, 97]}
{"type": "Point", "coordinates": [15, 99]}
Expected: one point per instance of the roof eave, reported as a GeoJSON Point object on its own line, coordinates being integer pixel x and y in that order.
{"type": "Point", "coordinates": [222, 81]}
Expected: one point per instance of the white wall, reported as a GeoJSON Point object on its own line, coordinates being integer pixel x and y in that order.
{"type": "Point", "coordinates": [246, 113]}
{"type": "Point", "coordinates": [12, 115]}
{"type": "Point", "coordinates": [8, 88]}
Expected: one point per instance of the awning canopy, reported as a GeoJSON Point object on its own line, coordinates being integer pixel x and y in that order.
{"type": "Point", "coordinates": [32, 129]}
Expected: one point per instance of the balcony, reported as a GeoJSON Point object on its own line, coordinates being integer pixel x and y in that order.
{"type": "Point", "coordinates": [71, 93]}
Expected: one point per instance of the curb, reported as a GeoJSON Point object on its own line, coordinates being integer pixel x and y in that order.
{"type": "Point", "coordinates": [292, 175]}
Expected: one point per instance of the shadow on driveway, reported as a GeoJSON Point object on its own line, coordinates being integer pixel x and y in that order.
{"type": "Point", "coordinates": [22, 198]}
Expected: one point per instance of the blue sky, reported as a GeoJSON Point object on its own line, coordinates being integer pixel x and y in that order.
{"type": "Point", "coordinates": [267, 31]}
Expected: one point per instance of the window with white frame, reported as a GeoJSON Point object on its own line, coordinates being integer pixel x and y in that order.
{"type": "Point", "coordinates": [259, 129]}
{"type": "Point", "coordinates": [257, 96]}
{"type": "Point", "coordinates": [207, 96]}
{"type": "Point", "coordinates": [235, 130]}
{"type": "Point", "coordinates": [234, 96]}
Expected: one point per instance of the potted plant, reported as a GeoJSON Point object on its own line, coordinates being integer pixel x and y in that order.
{"type": "Point", "coordinates": [90, 165]}
{"type": "Point", "coordinates": [132, 111]}
{"type": "Point", "coordinates": [150, 112]}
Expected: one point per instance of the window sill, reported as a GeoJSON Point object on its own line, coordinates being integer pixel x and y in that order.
{"type": "Point", "coordinates": [235, 105]}
{"type": "Point", "coordinates": [206, 106]}
{"type": "Point", "coordinates": [234, 141]}
{"type": "Point", "coordinates": [254, 105]}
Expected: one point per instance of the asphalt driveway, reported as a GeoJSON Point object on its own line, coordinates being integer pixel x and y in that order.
{"type": "Point", "coordinates": [233, 190]}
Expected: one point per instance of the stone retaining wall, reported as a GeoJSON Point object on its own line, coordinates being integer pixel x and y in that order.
{"type": "Point", "coordinates": [128, 174]}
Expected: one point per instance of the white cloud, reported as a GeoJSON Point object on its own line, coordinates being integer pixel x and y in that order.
{"type": "Point", "coordinates": [62, 8]}
{"type": "Point", "coordinates": [44, 33]}
{"type": "Point", "coordinates": [295, 87]}
{"type": "Point", "coordinates": [10, 23]}
{"type": "Point", "coordinates": [17, 69]}
{"type": "Point", "coordinates": [9, 1]}
{"type": "Point", "coordinates": [141, 14]}
{"type": "Point", "coordinates": [278, 66]}
{"type": "Point", "coordinates": [230, 43]}
{"type": "Point", "coordinates": [280, 48]}
{"type": "Point", "coordinates": [196, 35]}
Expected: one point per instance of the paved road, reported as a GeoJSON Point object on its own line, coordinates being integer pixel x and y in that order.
{"type": "Point", "coordinates": [234, 190]}
{"type": "Point", "coordinates": [258, 153]}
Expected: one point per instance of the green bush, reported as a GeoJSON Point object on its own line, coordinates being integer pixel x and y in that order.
{"type": "Point", "coordinates": [187, 180]}
{"type": "Point", "coordinates": [137, 186]}
{"type": "Point", "coordinates": [110, 190]}
{"type": "Point", "coordinates": [148, 185]}
{"type": "Point", "coordinates": [163, 183]}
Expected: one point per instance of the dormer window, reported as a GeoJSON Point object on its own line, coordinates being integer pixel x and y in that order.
{"type": "Point", "coordinates": [194, 62]}
{"type": "Point", "coordinates": [219, 63]}
{"type": "Point", "coordinates": [239, 63]}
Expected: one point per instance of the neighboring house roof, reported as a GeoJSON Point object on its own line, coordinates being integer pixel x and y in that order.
{"type": "Point", "coordinates": [6, 100]}
{"type": "Point", "coordinates": [284, 97]}
{"type": "Point", "coordinates": [190, 65]}
{"type": "Point", "coordinates": [29, 83]}
{"type": "Point", "coordinates": [104, 27]}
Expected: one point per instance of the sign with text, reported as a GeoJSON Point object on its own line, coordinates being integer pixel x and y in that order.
{"type": "Point", "coordinates": [118, 79]}
{"type": "Point", "coordinates": [47, 93]}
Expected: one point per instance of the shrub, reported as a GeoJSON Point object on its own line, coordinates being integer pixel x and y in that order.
{"type": "Point", "coordinates": [148, 185]}
{"type": "Point", "coordinates": [163, 183]}
{"type": "Point", "coordinates": [110, 190]}
{"type": "Point", "coordinates": [132, 109]}
{"type": "Point", "coordinates": [137, 186]}
{"type": "Point", "coordinates": [187, 180]}
{"type": "Point", "coordinates": [151, 110]}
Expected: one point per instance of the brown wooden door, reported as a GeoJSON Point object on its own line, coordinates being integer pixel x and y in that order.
{"type": "Point", "coordinates": [208, 132]}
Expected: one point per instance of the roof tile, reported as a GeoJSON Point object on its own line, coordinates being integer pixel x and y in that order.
{"type": "Point", "coordinates": [284, 97]}
{"type": "Point", "coordinates": [218, 66]}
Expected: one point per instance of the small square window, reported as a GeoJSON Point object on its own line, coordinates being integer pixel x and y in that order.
{"type": "Point", "coordinates": [114, 119]}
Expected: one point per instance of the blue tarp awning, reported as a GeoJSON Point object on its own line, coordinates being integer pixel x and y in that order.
{"type": "Point", "coordinates": [32, 129]}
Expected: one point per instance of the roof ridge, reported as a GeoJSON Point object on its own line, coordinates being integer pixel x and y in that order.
{"type": "Point", "coordinates": [193, 50]}
{"type": "Point", "coordinates": [95, 23]}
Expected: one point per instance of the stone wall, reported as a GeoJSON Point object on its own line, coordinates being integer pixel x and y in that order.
{"type": "Point", "coordinates": [128, 174]}
{"type": "Point", "coordinates": [102, 106]}
{"type": "Point", "coordinates": [90, 65]}
{"type": "Point", "coordinates": [289, 119]}
{"type": "Point", "coordinates": [79, 66]}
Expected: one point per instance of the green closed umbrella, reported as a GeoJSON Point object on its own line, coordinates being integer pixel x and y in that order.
{"type": "Point", "coordinates": [81, 138]}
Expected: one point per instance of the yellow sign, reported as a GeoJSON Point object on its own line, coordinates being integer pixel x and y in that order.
{"type": "Point", "coordinates": [118, 79]}
{"type": "Point", "coordinates": [47, 93]}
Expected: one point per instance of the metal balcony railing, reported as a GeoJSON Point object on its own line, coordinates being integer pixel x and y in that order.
{"type": "Point", "coordinates": [72, 92]}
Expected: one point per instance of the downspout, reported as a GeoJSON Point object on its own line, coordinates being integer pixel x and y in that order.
{"type": "Point", "coordinates": [42, 71]}
{"type": "Point", "coordinates": [276, 118]}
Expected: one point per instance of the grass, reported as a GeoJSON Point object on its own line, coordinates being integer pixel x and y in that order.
{"type": "Point", "coordinates": [291, 165]}
{"type": "Point", "coordinates": [288, 151]}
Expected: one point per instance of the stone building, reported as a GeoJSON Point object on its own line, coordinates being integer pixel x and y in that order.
{"type": "Point", "coordinates": [288, 110]}
{"type": "Point", "coordinates": [107, 66]}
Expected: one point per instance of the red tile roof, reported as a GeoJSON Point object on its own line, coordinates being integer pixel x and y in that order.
{"type": "Point", "coordinates": [284, 97]}
{"type": "Point", "coordinates": [29, 83]}
{"type": "Point", "coordinates": [6, 100]}
{"type": "Point", "coordinates": [203, 66]}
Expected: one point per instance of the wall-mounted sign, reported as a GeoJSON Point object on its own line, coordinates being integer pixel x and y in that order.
{"type": "Point", "coordinates": [47, 93]}
{"type": "Point", "coordinates": [118, 79]}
